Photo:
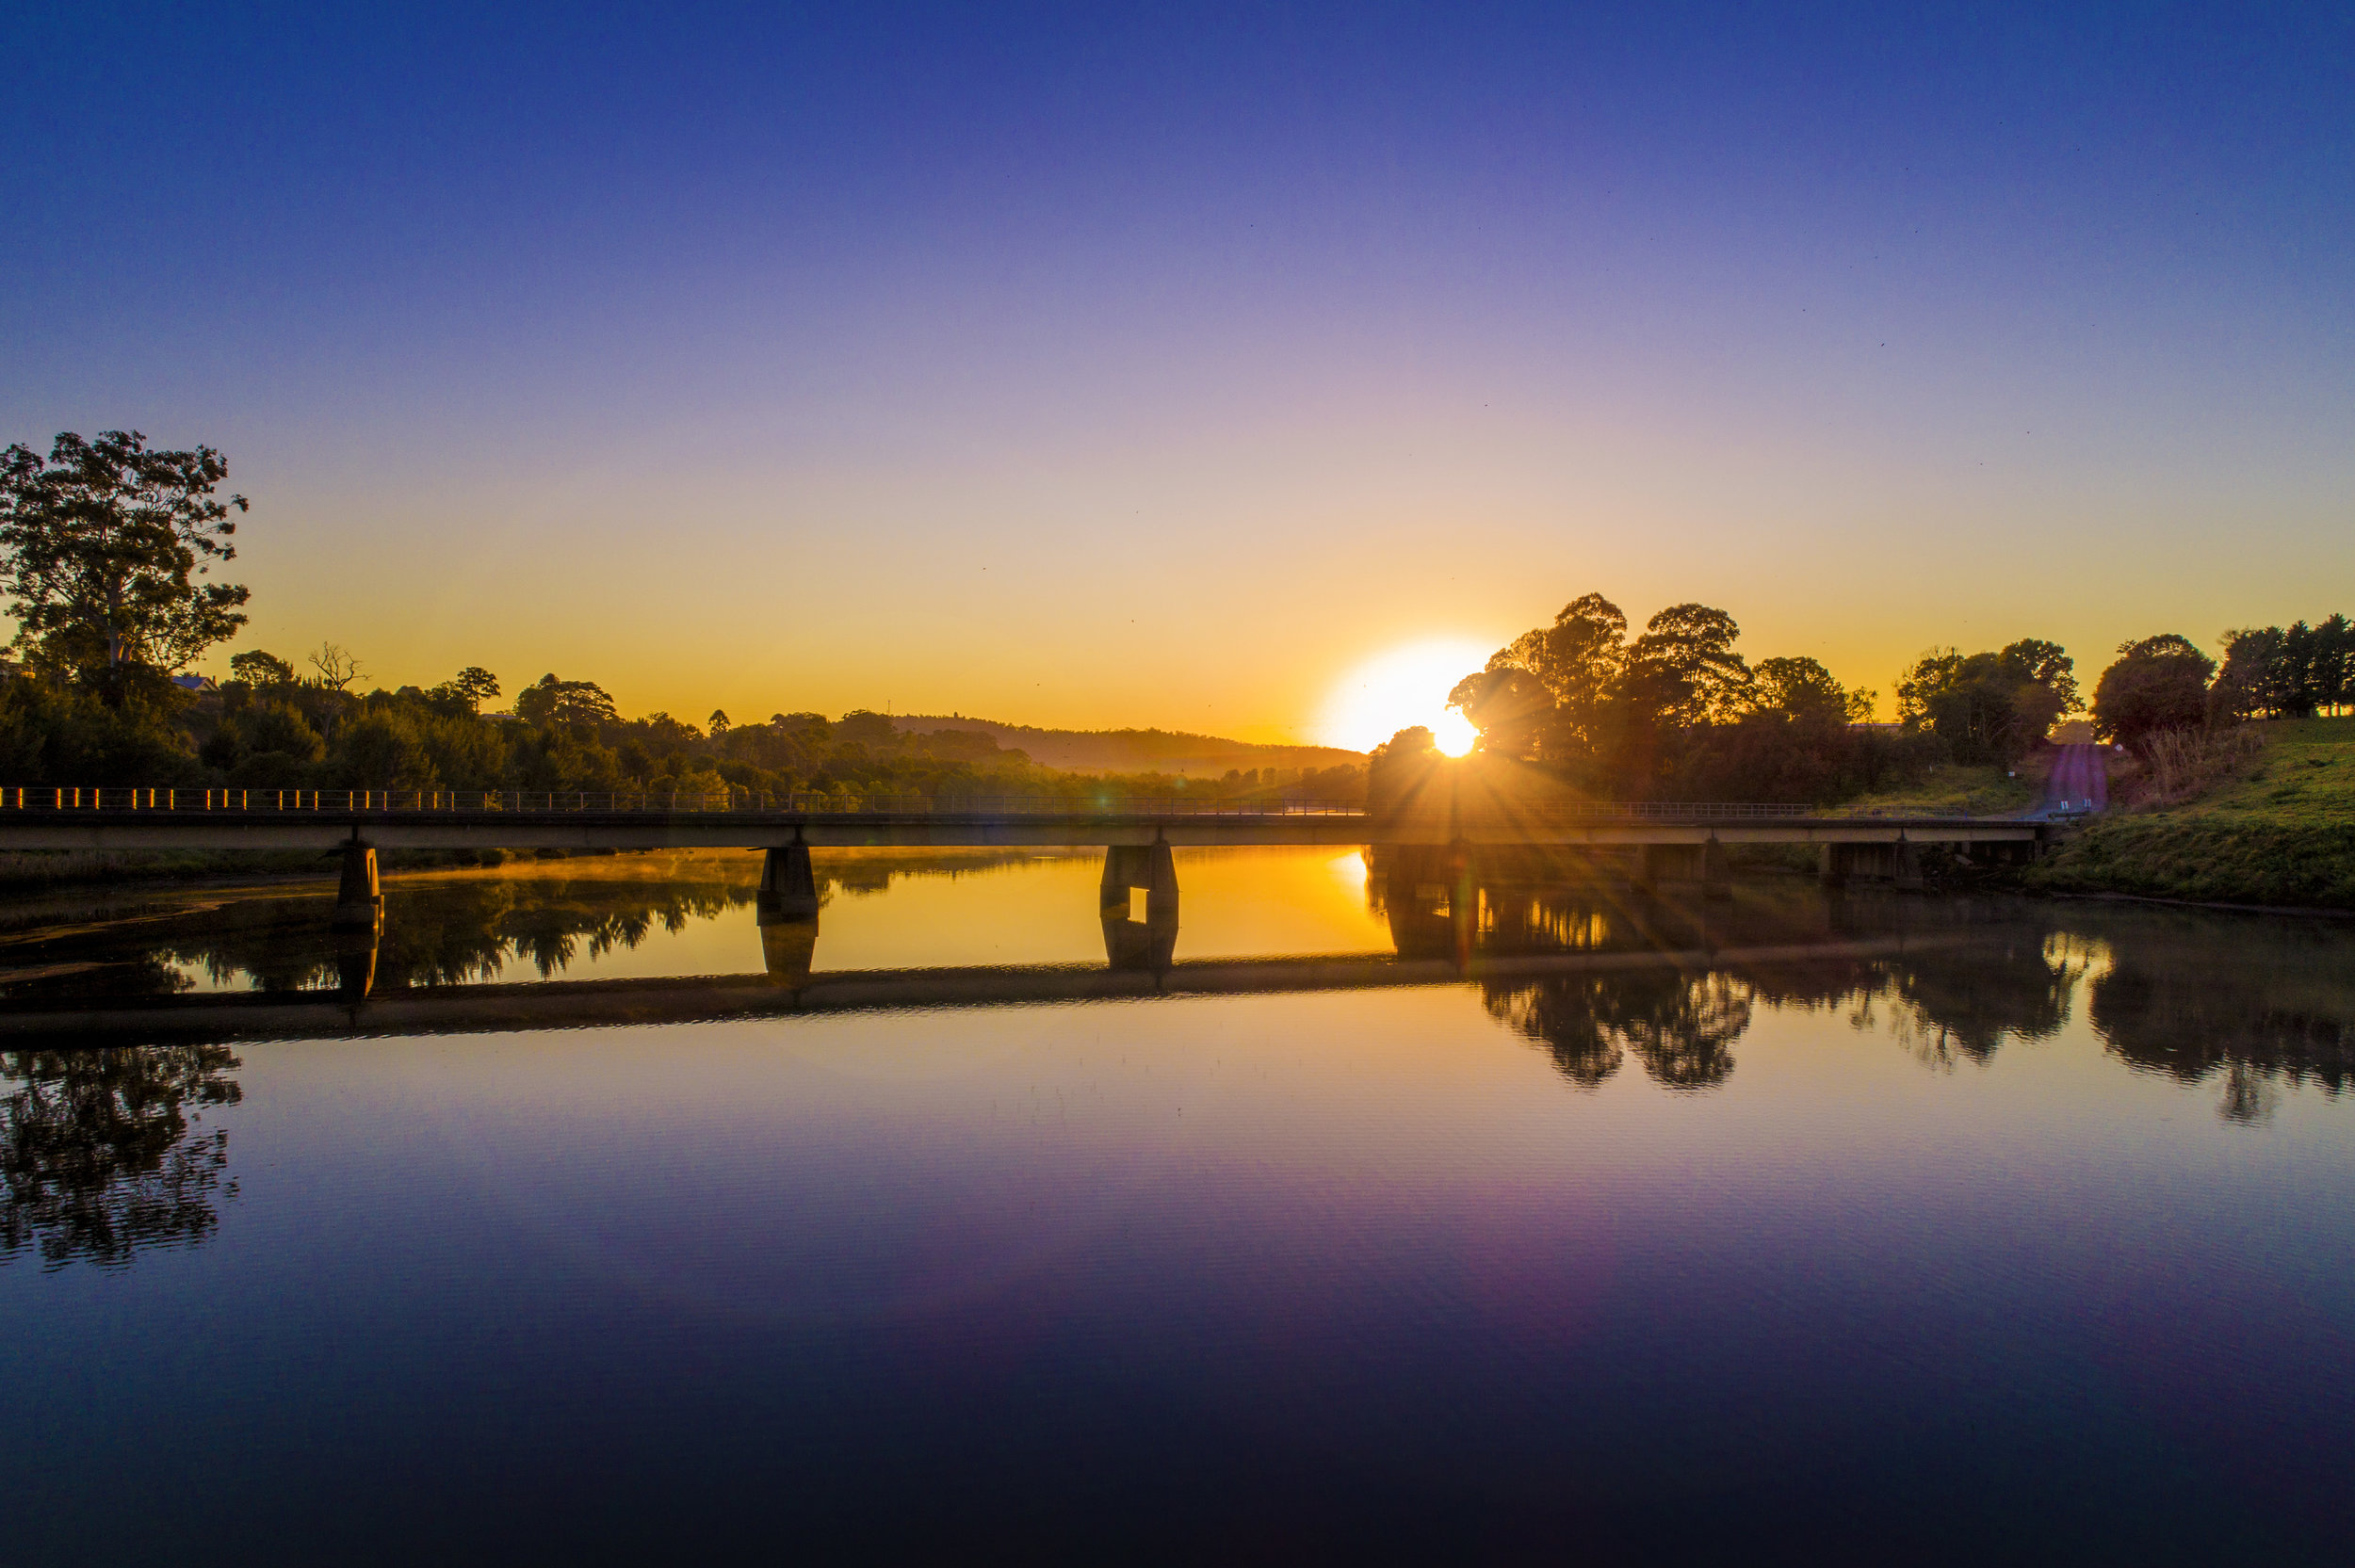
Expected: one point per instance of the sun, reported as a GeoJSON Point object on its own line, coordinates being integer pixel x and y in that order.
{"type": "Point", "coordinates": [1401, 689]}
{"type": "Point", "coordinates": [1452, 734]}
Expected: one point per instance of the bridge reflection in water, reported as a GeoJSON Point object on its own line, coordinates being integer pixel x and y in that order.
{"type": "Point", "coordinates": [107, 1105]}
{"type": "Point", "coordinates": [1538, 934]}
{"type": "Point", "coordinates": [1574, 954]}
{"type": "Point", "coordinates": [1447, 917]}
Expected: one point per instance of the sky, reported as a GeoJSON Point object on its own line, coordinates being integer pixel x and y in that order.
{"type": "Point", "coordinates": [1105, 366]}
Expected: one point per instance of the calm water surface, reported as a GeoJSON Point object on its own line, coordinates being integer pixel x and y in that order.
{"type": "Point", "coordinates": [1519, 1219]}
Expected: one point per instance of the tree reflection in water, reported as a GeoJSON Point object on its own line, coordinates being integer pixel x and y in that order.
{"type": "Point", "coordinates": [471, 930]}
{"type": "Point", "coordinates": [1682, 1027]}
{"type": "Point", "coordinates": [2263, 1007]}
{"type": "Point", "coordinates": [103, 1151]}
{"type": "Point", "coordinates": [2279, 1015]}
{"type": "Point", "coordinates": [458, 932]}
{"type": "Point", "coordinates": [1960, 1004]}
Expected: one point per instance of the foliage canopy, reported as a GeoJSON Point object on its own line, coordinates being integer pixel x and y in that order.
{"type": "Point", "coordinates": [101, 545]}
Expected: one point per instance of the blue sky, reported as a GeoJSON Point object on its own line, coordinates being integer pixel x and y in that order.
{"type": "Point", "coordinates": [1093, 366]}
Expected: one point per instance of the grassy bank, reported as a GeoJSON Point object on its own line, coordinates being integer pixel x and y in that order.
{"type": "Point", "coordinates": [1948, 788]}
{"type": "Point", "coordinates": [2279, 831]}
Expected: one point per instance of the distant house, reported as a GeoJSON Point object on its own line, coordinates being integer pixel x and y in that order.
{"type": "Point", "coordinates": [197, 684]}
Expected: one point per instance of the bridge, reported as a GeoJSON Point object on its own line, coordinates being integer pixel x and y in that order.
{"type": "Point", "coordinates": [1426, 841]}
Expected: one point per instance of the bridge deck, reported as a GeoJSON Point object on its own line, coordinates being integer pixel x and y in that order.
{"type": "Point", "coordinates": [160, 820]}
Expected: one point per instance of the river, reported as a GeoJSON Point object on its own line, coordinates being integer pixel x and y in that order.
{"type": "Point", "coordinates": [1517, 1219]}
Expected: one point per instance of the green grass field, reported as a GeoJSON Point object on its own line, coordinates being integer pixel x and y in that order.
{"type": "Point", "coordinates": [2283, 831]}
{"type": "Point", "coordinates": [1981, 791]}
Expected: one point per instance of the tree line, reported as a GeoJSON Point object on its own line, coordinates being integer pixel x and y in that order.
{"type": "Point", "coordinates": [106, 550]}
{"type": "Point", "coordinates": [1677, 712]}
{"type": "Point", "coordinates": [2287, 672]}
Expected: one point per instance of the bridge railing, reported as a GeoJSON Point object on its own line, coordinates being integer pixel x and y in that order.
{"type": "Point", "coordinates": [369, 802]}
{"type": "Point", "coordinates": [348, 802]}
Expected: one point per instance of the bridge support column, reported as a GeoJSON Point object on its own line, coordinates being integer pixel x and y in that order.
{"type": "Point", "coordinates": [1716, 873]}
{"type": "Point", "coordinates": [788, 890]}
{"type": "Point", "coordinates": [1907, 858]}
{"type": "Point", "coordinates": [1432, 900]}
{"type": "Point", "coordinates": [1152, 942]}
{"type": "Point", "coordinates": [355, 963]}
{"type": "Point", "coordinates": [1832, 866]}
{"type": "Point", "coordinates": [786, 911]}
{"type": "Point", "coordinates": [359, 903]}
{"type": "Point", "coordinates": [1676, 862]}
{"type": "Point", "coordinates": [787, 948]}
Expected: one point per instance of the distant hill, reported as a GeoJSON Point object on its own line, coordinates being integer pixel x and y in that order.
{"type": "Point", "coordinates": [1133, 751]}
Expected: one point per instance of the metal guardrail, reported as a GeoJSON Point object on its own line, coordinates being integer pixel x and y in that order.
{"type": "Point", "coordinates": [346, 803]}
{"type": "Point", "coordinates": [351, 802]}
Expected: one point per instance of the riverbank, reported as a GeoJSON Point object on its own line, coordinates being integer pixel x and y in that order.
{"type": "Point", "coordinates": [2281, 833]}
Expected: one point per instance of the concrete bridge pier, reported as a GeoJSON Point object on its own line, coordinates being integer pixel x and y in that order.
{"type": "Point", "coordinates": [1432, 901]}
{"type": "Point", "coordinates": [1131, 943]}
{"type": "Point", "coordinates": [1859, 862]}
{"type": "Point", "coordinates": [2005, 854]}
{"type": "Point", "coordinates": [355, 963]}
{"type": "Point", "coordinates": [1899, 862]}
{"type": "Point", "coordinates": [1906, 858]}
{"type": "Point", "coordinates": [786, 911]}
{"type": "Point", "coordinates": [788, 890]}
{"type": "Point", "coordinates": [787, 949]}
{"type": "Point", "coordinates": [1685, 863]}
{"type": "Point", "coordinates": [359, 902]}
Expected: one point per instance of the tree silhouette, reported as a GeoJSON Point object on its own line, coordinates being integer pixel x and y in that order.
{"type": "Point", "coordinates": [2157, 684]}
{"type": "Point", "coordinates": [100, 547]}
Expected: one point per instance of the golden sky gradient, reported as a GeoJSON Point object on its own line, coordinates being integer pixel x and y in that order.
{"type": "Point", "coordinates": [1162, 371]}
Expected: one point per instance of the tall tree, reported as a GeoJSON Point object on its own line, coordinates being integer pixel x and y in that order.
{"type": "Point", "coordinates": [101, 545]}
{"type": "Point", "coordinates": [2335, 663]}
{"type": "Point", "coordinates": [549, 701]}
{"type": "Point", "coordinates": [2245, 687]}
{"type": "Point", "coordinates": [1543, 694]}
{"type": "Point", "coordinates": [1802, 688]}
{"type": "Point", "coordinates": [256, 667]}
{"type": "Point", "coordinates": [475, 686]}
{"type": "Point", "coordinates": [1685, 664]}
{"type": "Point", "coordinates": [2048, 665]}
{"type": "Point", "coordinates": [2157, 684]}
{"type": "Point", "coordinates": [1988, 707]}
